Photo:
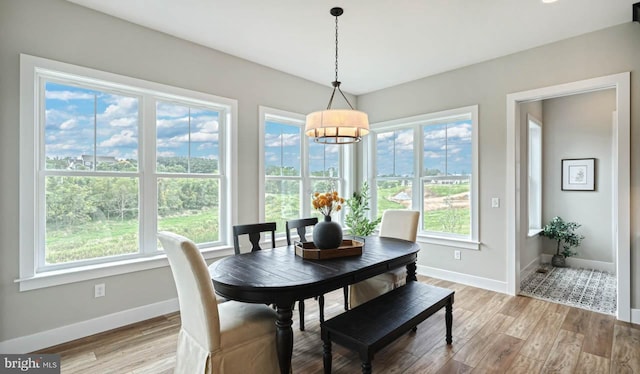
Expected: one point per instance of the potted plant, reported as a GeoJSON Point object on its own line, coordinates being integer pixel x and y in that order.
{"type": "Point", "coordinates": [357, 217]}
{"type": "Point", "coordinates": [565, 236]}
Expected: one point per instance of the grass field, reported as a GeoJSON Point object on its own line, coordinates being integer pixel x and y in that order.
{"type": "Point", "coordinates": [114, 237]}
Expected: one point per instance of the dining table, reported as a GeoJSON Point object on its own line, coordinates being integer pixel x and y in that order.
{"type": "Point", "coordinates": [279, 277]}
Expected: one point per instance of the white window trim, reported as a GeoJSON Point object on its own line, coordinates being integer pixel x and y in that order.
{"type": "Point", "coordinates": [347, 156]}
{"type": "Point", "coordinates": [415, 122]}
{"type": "Point", "coordinates": [31, 68]}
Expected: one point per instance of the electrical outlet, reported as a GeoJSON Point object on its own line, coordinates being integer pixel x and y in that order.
{"type": "Point", "coordinates": [99, 290]}
{"type": "Point", "coordinates": [495, 202]}
{"type": "Point", "coordinates": [456, 255]}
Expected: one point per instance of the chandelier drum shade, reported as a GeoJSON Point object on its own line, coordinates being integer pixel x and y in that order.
{"type": "Point", "coordinates": [337, 126]}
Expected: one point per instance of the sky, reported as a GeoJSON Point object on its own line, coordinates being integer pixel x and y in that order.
{"type": "Point", "coordinates": [80, 120]}
{"type": "Point", "coordinates": [447, 147]}
{"type": "Point", "coordinates": [283, 149]}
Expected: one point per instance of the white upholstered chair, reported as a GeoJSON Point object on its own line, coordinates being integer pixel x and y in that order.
{"type": "Point", "coordinates": [230, 337]}
{"type": "Point", "coordinates": [399, 224]}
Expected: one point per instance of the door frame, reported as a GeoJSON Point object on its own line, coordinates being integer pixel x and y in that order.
{"type": "Point", "coordinates": [621, 154]}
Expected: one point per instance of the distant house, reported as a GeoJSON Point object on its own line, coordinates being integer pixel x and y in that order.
{"type": "Point", "coordinates": [447, 179]}
{"type": "Point", "coordinates": [87, 161]}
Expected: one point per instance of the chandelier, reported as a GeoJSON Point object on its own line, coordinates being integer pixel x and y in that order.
{"type": "Point", "coordinates": [337, 126]}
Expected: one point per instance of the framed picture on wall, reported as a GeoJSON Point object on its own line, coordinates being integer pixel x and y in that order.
{"type": "Point", "coordinates": [579, 174]}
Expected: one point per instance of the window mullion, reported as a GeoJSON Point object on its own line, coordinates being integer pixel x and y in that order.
{"type": "Point", "coordinates": [148, 179]}
{"type": "Point", "coordinates": [305, 185]}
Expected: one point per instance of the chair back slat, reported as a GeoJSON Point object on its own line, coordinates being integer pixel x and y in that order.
{"type": "Point", "coordinates": [254, 232]}
{"type": "Point", "coordinates": [301, 227]}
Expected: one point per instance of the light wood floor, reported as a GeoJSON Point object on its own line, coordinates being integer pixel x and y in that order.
{"type": "Point", "coordinates": [492, 333]}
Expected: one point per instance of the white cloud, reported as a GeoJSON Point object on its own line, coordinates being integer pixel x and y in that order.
{"type": "Point", "coordinates": [210, 126]}
{"type": "Point", "coordinates": [430, 154]}
{"type": "Point", "coordinates": [385, 135]}
{"type": "Point", "coordinates": [124, 122]}
{"type": "Point", "coordinates": [121, 106]}
{"type": "Point", "coordinates": [285, 140]}
{"type": "Point", "coordinates": [68, 124]}
{"type": "Point", "coordinates": [462, 131]}
{"type": "Point", "coordinates": [68, 95]}
{"type": "Point", "coordinates": [404, 141]}
{"type": "Point", "coordinates": [167, 123]}
{"type": "Point", "coordinates": [202, 137]}
{"type": "Point", "coordinates": [171, 110]}
{"type": "Point", "coordinates": [166, 154]}
{"type": "Point", "coordinates": [125, 137]}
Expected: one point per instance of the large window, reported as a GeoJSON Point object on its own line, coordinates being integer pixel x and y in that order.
{"type": "Point", "coordinates": [429, 163]}
{"type": "Point", "coordinates": [107, 161]}
{"type": "Point", "coordinates": [294, 167]}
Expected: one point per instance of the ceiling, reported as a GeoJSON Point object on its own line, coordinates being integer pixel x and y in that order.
{"type": "Point", "coordinates": [382, 43]}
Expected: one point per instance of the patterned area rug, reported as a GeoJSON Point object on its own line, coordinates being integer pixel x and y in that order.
{"type": "Point", "coordinates": [593, 290]}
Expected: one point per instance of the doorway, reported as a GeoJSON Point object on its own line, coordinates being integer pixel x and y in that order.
{"type": "Point", "coordinates": [620, 175]}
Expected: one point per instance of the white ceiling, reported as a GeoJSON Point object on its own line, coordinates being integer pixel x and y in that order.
{"type": "Point", "coordinates": [381, 42]}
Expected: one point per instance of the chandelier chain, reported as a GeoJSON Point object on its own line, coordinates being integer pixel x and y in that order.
{"type": "Point", "coordinates": [336, 48]}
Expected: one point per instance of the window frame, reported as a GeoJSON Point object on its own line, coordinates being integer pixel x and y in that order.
{"type": "Point", "coordinates": [416, 123]}
{"type": "Point", "coordinates": [346, 172]}
{"type": "Point", "coordinates": [34, 71]}
{"type": "Point", "coordinates": [537, 124]}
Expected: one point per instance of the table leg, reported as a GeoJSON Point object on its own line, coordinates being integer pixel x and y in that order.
{"type": "Point", "coordinates": [448, 317]}
{"type": "Point", "coordinates": [411, 272]}
{"type": "Point", "coordinates": [284, 337]}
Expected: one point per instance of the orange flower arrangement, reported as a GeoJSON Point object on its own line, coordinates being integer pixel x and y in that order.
{"type": "Point", "coordinates": [327, 202]}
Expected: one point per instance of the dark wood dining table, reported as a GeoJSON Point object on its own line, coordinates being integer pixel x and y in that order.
{"type": "Point", "coordinates": [279, 277]}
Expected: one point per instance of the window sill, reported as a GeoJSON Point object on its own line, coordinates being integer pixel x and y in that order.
{"type": "Point", "coordinates": [534, 232]}
{"type": "Point", "coordinates": [450, 242]}
{"type": "Point", "coordinates": [83, 273]}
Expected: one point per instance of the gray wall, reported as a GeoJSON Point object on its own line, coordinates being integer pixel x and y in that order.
{"type": "Point", "coordinates": [609, 51]}
{"type": "Point", "coordinates": [580, 126]}
{"type": "Point", "coordinates": [532, 246]}
{"type": "Point", "coordinates": [62, 31]}
{"type": "Point", "coordinates": [65, 32]}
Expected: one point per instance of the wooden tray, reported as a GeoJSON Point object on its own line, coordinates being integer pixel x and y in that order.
{"type": "Point", "coordinates": [349, 247]}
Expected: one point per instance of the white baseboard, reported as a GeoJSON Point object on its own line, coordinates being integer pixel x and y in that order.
{"type": "Point", "coordinates": [635, 316]}
{"type": "Point", "coordinates": [573, 262]}
{"type": "Point", "coordinates": [530, 266]}
{"type": "Point", "coordinates": [59, 335]}
{"type": "Point", "coordinates": [470, 280]}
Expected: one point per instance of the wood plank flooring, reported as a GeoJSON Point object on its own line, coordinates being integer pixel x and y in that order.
{"type": "Point", "coordinates": [492, 333]}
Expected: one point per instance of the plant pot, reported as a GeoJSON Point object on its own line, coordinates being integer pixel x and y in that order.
{"type": "Point", "coordinates": [327, 234]}
{"type": "Point", "coordinates": [558, 261]}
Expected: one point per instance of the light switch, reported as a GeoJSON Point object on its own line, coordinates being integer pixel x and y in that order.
{"type": "Point", "coordinates": [495, 202]}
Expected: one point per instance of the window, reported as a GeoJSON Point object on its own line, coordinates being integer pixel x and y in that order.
{"type": "Point", "coordinates": [294, 167]}
{"type": "Point", "coordinates": [107, 161]}
{"type": "Point", "coordinates": [535, 175]}
{"type": "Point", "coordinates": [429, 163]}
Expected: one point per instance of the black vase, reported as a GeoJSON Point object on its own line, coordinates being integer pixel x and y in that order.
{"type": "Point", "coordinates": [327, 234]}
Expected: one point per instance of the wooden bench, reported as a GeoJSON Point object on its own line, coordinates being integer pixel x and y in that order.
{"type": "Point", "coordinates": [371, 326]}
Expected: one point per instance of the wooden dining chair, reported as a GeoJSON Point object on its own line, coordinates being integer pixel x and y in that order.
{"type": "Point", "coordinates": [231, 337]}
{"type": "Point", "coordinates": [300, 225]}
{"type": "Point", "coordinates": [399, 224]}
{"type": "Point", "coordinates": [254, 231]}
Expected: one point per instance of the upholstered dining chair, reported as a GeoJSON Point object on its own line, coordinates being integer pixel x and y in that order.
{"type": "Point", "coordinates": [253, 230]}
{"type": "Point", "coordinates": [231, 337]}
{"type": "Point", "coordinates": [300, 225]}
{"type": "Point", "coordinates": [399, 224]}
